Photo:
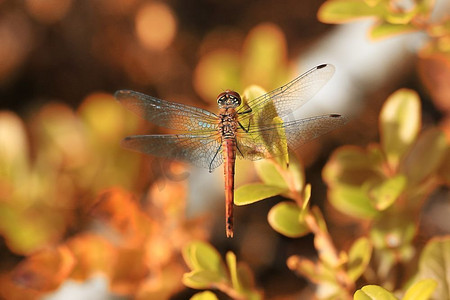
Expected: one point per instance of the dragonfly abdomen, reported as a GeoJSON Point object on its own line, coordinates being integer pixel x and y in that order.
{"type": "Point", "coordinates": [229, 157]}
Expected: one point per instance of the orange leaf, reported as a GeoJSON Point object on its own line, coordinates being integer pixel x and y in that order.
{"type": "Point", "coordinates": [45, 270]}
{"type": "Point", "coordinates": [129, 271]}
{"type": "Point", "coordinates": [120, 211]}
{"type": "Point", "coordinates": [434, 71]}
{"type": "Point", "coordinates": [11, 290]}
{"type": "Point", "coordinates": [93, 254]}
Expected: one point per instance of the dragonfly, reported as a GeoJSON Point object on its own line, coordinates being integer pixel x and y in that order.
{"type": "Point", "coordinates": [245, 130]}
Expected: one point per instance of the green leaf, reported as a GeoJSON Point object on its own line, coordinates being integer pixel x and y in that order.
{"type": "Point", "coordinates": [306, 197]}
{"type": "Point", "coordinates": [216, 70]}
{"type": "Point", "coordinates": [232, 267]}
{"type": "Point", "coordinates": [425, 7]}
{"type": "Point", "coordinates": [358, 258]}
{"type": "Point", "coordinates": [202, 279]}
{"type": "Point", "coordinates": [296, 171]}
{"type": "Point", "coordinates": [352, 201]}
{"type": "Point", "coordinates": [314, 271]}
{"type": "Point", "coordinates": [400, 17]}
{"type": "Point", "coordinates": [434, 263]}
{"type": "Point", "coordinates": [286, 218]}
{"type": "Point", "coordinates": [241, 278]}
{"type": "Point", "coordinates": [421, 290]}
{"type": "Point", "coordinates": [206, 295]}
{"type": "Point", "coordinates": [263, 57]}
{"type": "Point", "coordinates": [384, 194]}
{"type": "Point", "coordinates": [373, 292]}
{"type": "Point", "coordinates": [254, 192]}
{"type": "Point", "coordinates": [269, 173]}
{"type": "Point", "coordinates": [14, 156]}
{"type": "Point", "coordinates": [392, 230]}
{"type": "Point", "coordinates": [245, 277]}
{"type": "Point", "coordinates": [425, 157]}
{"type": "Point", "coordinates": [275, 143]}
{"type": "Point", "coordinates": [399, 124]}
{"type": "Point", "coordinates": [385, 29]}
{"type": "Point", "coordinates": [343, 11]}
{"type": "Point", "coordinates": [352, 165]}
{"type": "Point", "coordinates": [200, 256]}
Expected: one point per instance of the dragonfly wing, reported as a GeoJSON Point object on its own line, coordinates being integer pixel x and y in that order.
{"type": "Point", "coordinates": [167, 114]}
{"type": "Point", "coordinates": [201, 150]}
{"type": "Point", "coordinates": [265, 141]}
{"type": "Point", "coordinates": [291, 96]}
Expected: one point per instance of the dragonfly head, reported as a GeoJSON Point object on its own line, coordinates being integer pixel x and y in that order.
{"type": "Point", "coordinates": [228, 99]}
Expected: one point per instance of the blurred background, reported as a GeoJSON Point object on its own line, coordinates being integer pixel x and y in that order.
{"type": "Point", "coordinates": [64, 175]}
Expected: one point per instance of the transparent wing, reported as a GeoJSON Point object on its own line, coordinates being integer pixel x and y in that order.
{"type": "Point", "coordinates": [197, 149]}
{"type": "Point", "coordinates": [286, 99]}
{"type": "Point", "coordinates": [262, 142]}
{"type": "Point", "coordinates": [167, 114]}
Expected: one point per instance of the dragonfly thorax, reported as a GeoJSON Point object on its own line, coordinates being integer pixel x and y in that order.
{"type": "Point", "coordinates": [228, 99]}
{"type": "Point", "coordinates": [228, 123]}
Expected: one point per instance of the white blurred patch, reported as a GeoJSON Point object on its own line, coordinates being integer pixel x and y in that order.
{"type": "Point", "coordinates": [95, 288]}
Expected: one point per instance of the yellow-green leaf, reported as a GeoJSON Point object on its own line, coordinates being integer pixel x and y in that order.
{"type": "Point", "coordinates": [385, 29]}
{"type": "Point", "coordinates": [384, 194]}
{"type": "Point", "coordinates": [358, 258]}
{"type": "Point", "coordinates": [392, 230]}
{"type": "Point", "coordinates": [296, 171]}
{"type": "Point", "coordinates": [400, 17]}
{"type": "Point", "coordinates": [352, 165]}
{"type": "Point", "coordinates": [373, 292]}
{"type": "Point", "coordinates": [14, 156]}
{"type": "Point", "coordinates": [263, 56]}
{"type": "Point", "coordinates": [306, 197]}
{"type": "Point", "coordinates": [200, 256]}
{"type": "Point", "coordinates": [421, 290]}
{"type": "Point", "coordinates": [206, 295]}
{"type": "Point", "coordinates": [434, 263]}
{"type": "Point", "coordinates": [245, 276]}
{"type": "Point", "coordinates": [286, 218]}
{"type": "Point", "coordinates": [425, 156]}
{"type": "Point", "coordinates": [342, 11]}
{"type": "Point", "coordinates": [251, 92]}
{"type": "Point", "coordinates": [352, 201]}
{"type": "Point", "coordinates": [201, 279]}
{"type": "Point", "coordinates": [254, 192]}
{"type": "Point", "coordinates": [399, 124]}
{"type": "Point", "coordinates": [241, 278]}
{"type": "Point", "coordinates": [424, 7]}
{"type": "Point", "coordinates": [269, 173]}
{"type": "Point", "coordinates": [232, 267]}
{"type": "Point", "coordinates": [275, 142]}
{"type": "Point", "coordinates": [216, 71]}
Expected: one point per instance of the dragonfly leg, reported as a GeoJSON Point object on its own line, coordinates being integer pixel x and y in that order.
{"type": "Point", "coordinates": [249, 110]}
{"type": "Point", "coordinates": [243, 128]}
{"type": "Point", "coordinates": [214, 157]}
{"type": "Point", "coordinates": [237, 147]}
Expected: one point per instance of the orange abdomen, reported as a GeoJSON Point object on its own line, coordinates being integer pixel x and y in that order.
{"type": "Point", "coordinates": [229, 155]}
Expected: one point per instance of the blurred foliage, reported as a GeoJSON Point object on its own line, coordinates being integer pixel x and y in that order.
{"type": "Point", "coordinates": [262, 61]}
{"type": "Point", "coordinates": [73, 155]}
{"type": "Point", "coordinates": [52, 212]}
{"type": "Point", "coordinates": [73, 205]}
{"type": "Point", "coordinates": [386, 184]}
{"type": "Point", "coordinates": [208, 270]}
{"type": "Point", "coordinates": [401, 17]}
{"type": "Point", "coordinates": [421, 290]}
{"type": "Point", "coordinates": [393, 17]}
